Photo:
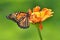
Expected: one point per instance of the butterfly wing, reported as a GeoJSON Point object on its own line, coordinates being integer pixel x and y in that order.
{"type": "Point", "coordinates": [20, 18]}
{"type": "Point", "coordinates": [23, 22]}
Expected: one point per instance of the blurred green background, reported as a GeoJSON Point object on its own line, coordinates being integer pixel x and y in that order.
{"type": "Point", "coordinates": [9, 30]}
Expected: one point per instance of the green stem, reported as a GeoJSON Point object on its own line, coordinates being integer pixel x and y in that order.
{"type": "Point", "coordinates": [39, 33]}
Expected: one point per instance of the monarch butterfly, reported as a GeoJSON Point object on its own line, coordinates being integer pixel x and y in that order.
{"type": "Point", "coordinates": [21, 18]}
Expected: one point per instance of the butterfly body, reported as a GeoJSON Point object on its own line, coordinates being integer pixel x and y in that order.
{"type": "Point", "coordinates": [21, 18]}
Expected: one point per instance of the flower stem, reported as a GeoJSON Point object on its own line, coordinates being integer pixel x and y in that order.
{"type": "Point", "coordinates": [39, 32]}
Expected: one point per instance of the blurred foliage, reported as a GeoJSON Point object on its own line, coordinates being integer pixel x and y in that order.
{"type": "Point", "coordinates": [9, 29]}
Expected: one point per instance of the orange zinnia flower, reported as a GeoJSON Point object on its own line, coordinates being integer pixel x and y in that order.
{"type": "Point", "coordinates": [38, 15]}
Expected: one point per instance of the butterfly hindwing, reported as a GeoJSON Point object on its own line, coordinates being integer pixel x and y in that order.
{"type": "Point", "coordinates": [23, 23]}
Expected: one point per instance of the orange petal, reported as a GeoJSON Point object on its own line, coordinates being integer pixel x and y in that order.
{"type": "Point", "coordinates": [36, 9]}
{"type": "Point", "coordinates": [41, 27]}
